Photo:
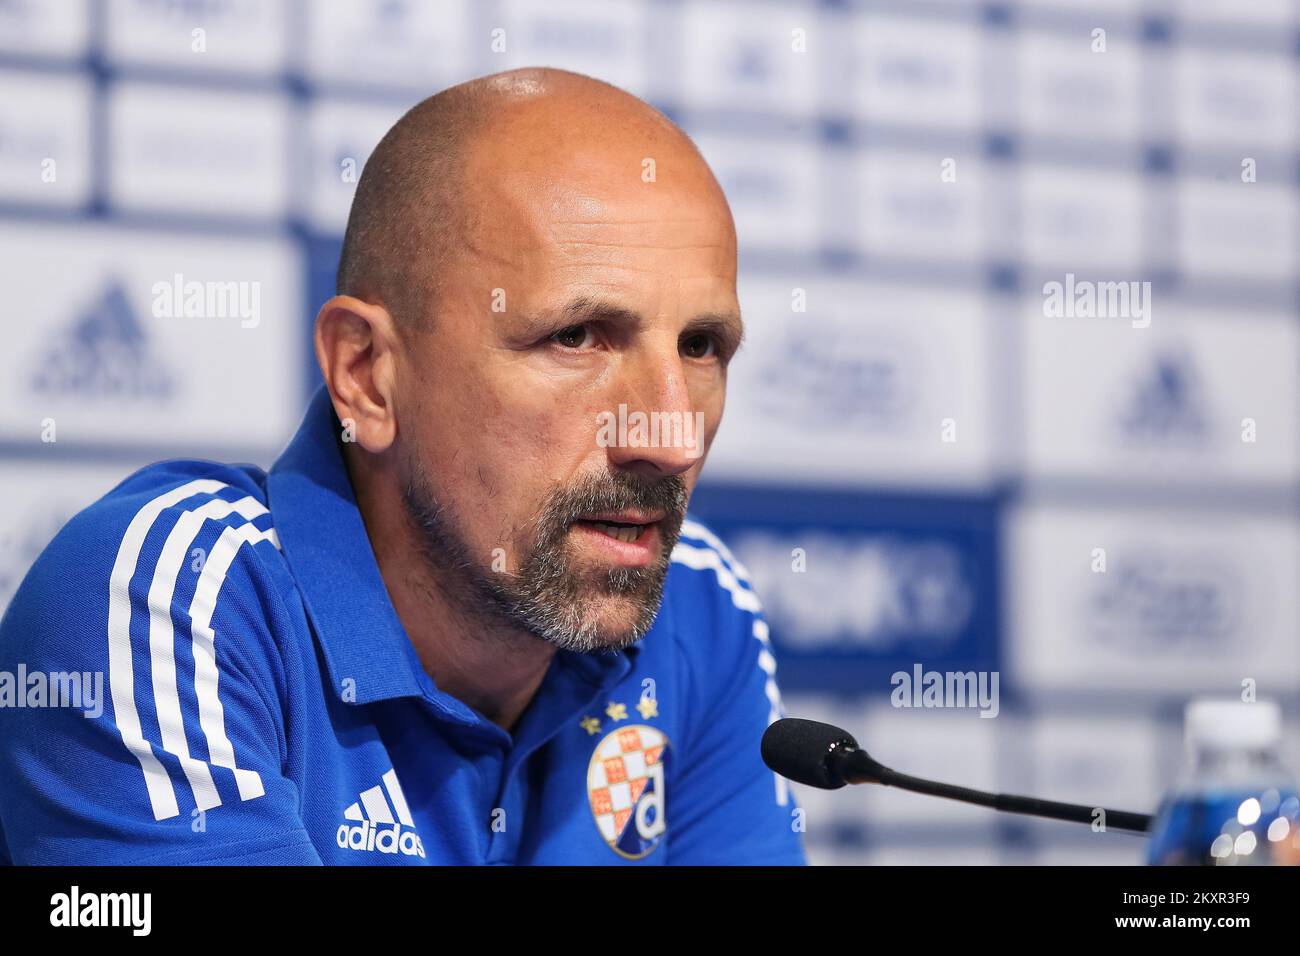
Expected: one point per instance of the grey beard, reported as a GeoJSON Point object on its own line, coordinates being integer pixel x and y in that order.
{"type": "Point", "coordinates": [545, 596]}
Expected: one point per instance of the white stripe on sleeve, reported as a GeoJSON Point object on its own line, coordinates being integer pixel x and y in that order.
{"type": "Point", "coordinates": [121, 675]}
{"type": "Point", "coordinates": [162, 639]}
{"type": "Point", "coordinates": [212, 718]}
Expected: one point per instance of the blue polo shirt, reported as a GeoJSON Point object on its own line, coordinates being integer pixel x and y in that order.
{"type": "Point", "coordinates": [259, 701]}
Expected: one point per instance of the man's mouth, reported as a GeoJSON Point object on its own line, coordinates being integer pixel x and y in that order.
{"type": "Point", "coordinates": [636, 534]}
{"type": "Point", "coordinates": [621, 532]}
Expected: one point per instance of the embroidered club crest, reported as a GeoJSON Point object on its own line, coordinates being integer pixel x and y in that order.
{"type": "Point", "coordinates": [625, 782]}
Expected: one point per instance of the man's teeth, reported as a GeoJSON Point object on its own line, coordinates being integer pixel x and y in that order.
{"type": "Point", "coordinates": [628, 534]}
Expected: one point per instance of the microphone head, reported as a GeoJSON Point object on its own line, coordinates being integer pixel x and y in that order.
{"type": "Point", "coordinates": [801, 750]}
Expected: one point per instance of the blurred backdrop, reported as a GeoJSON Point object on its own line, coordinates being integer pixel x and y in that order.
{"type": "Point", "coordinates": [924, 463]}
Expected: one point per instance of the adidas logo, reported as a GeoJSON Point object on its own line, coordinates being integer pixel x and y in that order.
{"type": "Point", "coordinates": [374, 829]}
{"type": "Point", "coordinates": [1167, 402]}
{"type": "Point", "coordinates": [105, 353]}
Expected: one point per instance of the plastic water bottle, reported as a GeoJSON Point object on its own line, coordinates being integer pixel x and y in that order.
{"type": "Point", "coordinates": [1235, 805]}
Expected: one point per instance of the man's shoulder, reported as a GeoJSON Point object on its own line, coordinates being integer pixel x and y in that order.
{"type": "Point", "coordinates": [144, 656]}
{"type": "Point", "coordinates": [706, 573]}
{"type": "Point", "coordinates": [710, 605]}
{"type": "Point", "coordinates": [725, 655]}
{"type": "Point", "coordinates": [135, 544]}
{"type": "Point", "coordinates": [140, 516]}
{"type": "Point", "coordinates": [180, 480]}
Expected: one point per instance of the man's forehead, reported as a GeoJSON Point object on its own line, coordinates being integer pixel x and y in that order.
{"type": "Point", "coordinates": [518, 220]}
{"type": "Point", "coordinates": [596, 188]}
{"type": "Point", "coordinates": [550, 161]}
{"type": "Point", "coordinates": [560, 211]}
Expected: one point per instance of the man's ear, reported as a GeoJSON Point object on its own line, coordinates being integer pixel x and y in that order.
{"type": "Point", "coordinates": [356, 346]}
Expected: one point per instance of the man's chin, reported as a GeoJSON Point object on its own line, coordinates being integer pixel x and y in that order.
{"type": "Point", "coordinates": [623, 620]}
{"type": "Point", "coordinates": [601, 622]}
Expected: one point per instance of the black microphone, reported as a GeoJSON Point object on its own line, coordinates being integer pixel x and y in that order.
{"type": "Point", "coordinates": [827, 757]}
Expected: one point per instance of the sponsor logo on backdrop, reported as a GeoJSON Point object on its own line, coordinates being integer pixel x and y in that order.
{"type": "Point", "coordinates": [916, 592]}
{"type": "Point", "coordinates": [103, 353]}
{"type": "Point", "coordinates": [844, 381]}
{"type": "Point", "coordinates": [1165, 404]}
{"type": "Point", "coordinates": [23, 147]}
{"type": "Point", "coordinates": [575, 35]}
{"type": "Point", "coordinates": [1158, 600]}
{"type": "Point", "coordinates": [755, 185]}
{"type": "Point", "coordinates": [750, 63]}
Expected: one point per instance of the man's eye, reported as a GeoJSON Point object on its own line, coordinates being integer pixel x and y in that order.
{"type": "Point", "coordinates": [699, 346]}
{"type": "Point", "coordinates": [574, 337]}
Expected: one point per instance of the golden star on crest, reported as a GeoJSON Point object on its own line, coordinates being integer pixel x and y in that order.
{"type": "Point", "coordinates": [591, 725]}
{"type": "Point", "coordinates": [616, 711]}
{"type": "Point", "coordinates": [649, 707]}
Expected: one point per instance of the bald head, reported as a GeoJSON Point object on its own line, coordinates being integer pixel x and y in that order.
{"type": "Point", "coordinates": [417, 203]}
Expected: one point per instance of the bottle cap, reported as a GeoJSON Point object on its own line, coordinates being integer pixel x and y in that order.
{"type": "Point", "coordinates": [1230, 724]}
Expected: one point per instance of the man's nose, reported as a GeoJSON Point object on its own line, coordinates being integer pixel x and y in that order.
{"type": "Point", "coordinates": [653, 429]}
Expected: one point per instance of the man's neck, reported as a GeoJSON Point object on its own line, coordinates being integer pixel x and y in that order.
{"type": "Point", "coordinates": [487, 664]}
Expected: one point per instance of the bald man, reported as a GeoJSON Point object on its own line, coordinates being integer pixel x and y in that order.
{"type": "Point", "coordinates": [465, 617]}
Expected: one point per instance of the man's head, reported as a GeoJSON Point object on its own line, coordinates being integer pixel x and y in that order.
{"type": "Point", "coordinates": [534, 261]}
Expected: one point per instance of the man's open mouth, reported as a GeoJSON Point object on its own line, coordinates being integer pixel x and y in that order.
{"type": "Point", "coordinates": [626, 527]}
{"type": "Point", "coordinates": [623, 532]}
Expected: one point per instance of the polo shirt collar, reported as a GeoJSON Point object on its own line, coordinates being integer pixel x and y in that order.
{"type": "Point", "coordinates": [324, 541]}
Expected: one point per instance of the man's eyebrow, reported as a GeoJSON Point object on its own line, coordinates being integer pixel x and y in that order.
{"type": "Point", "coordinates": [581, 310]}
{"type": "Point", "coordinates": [727, 326]}
{"type": "Point", "coordinates": [588, 308]}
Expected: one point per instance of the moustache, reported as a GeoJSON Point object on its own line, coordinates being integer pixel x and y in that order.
{"type": "Point", "coordinates": [613, 493]}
